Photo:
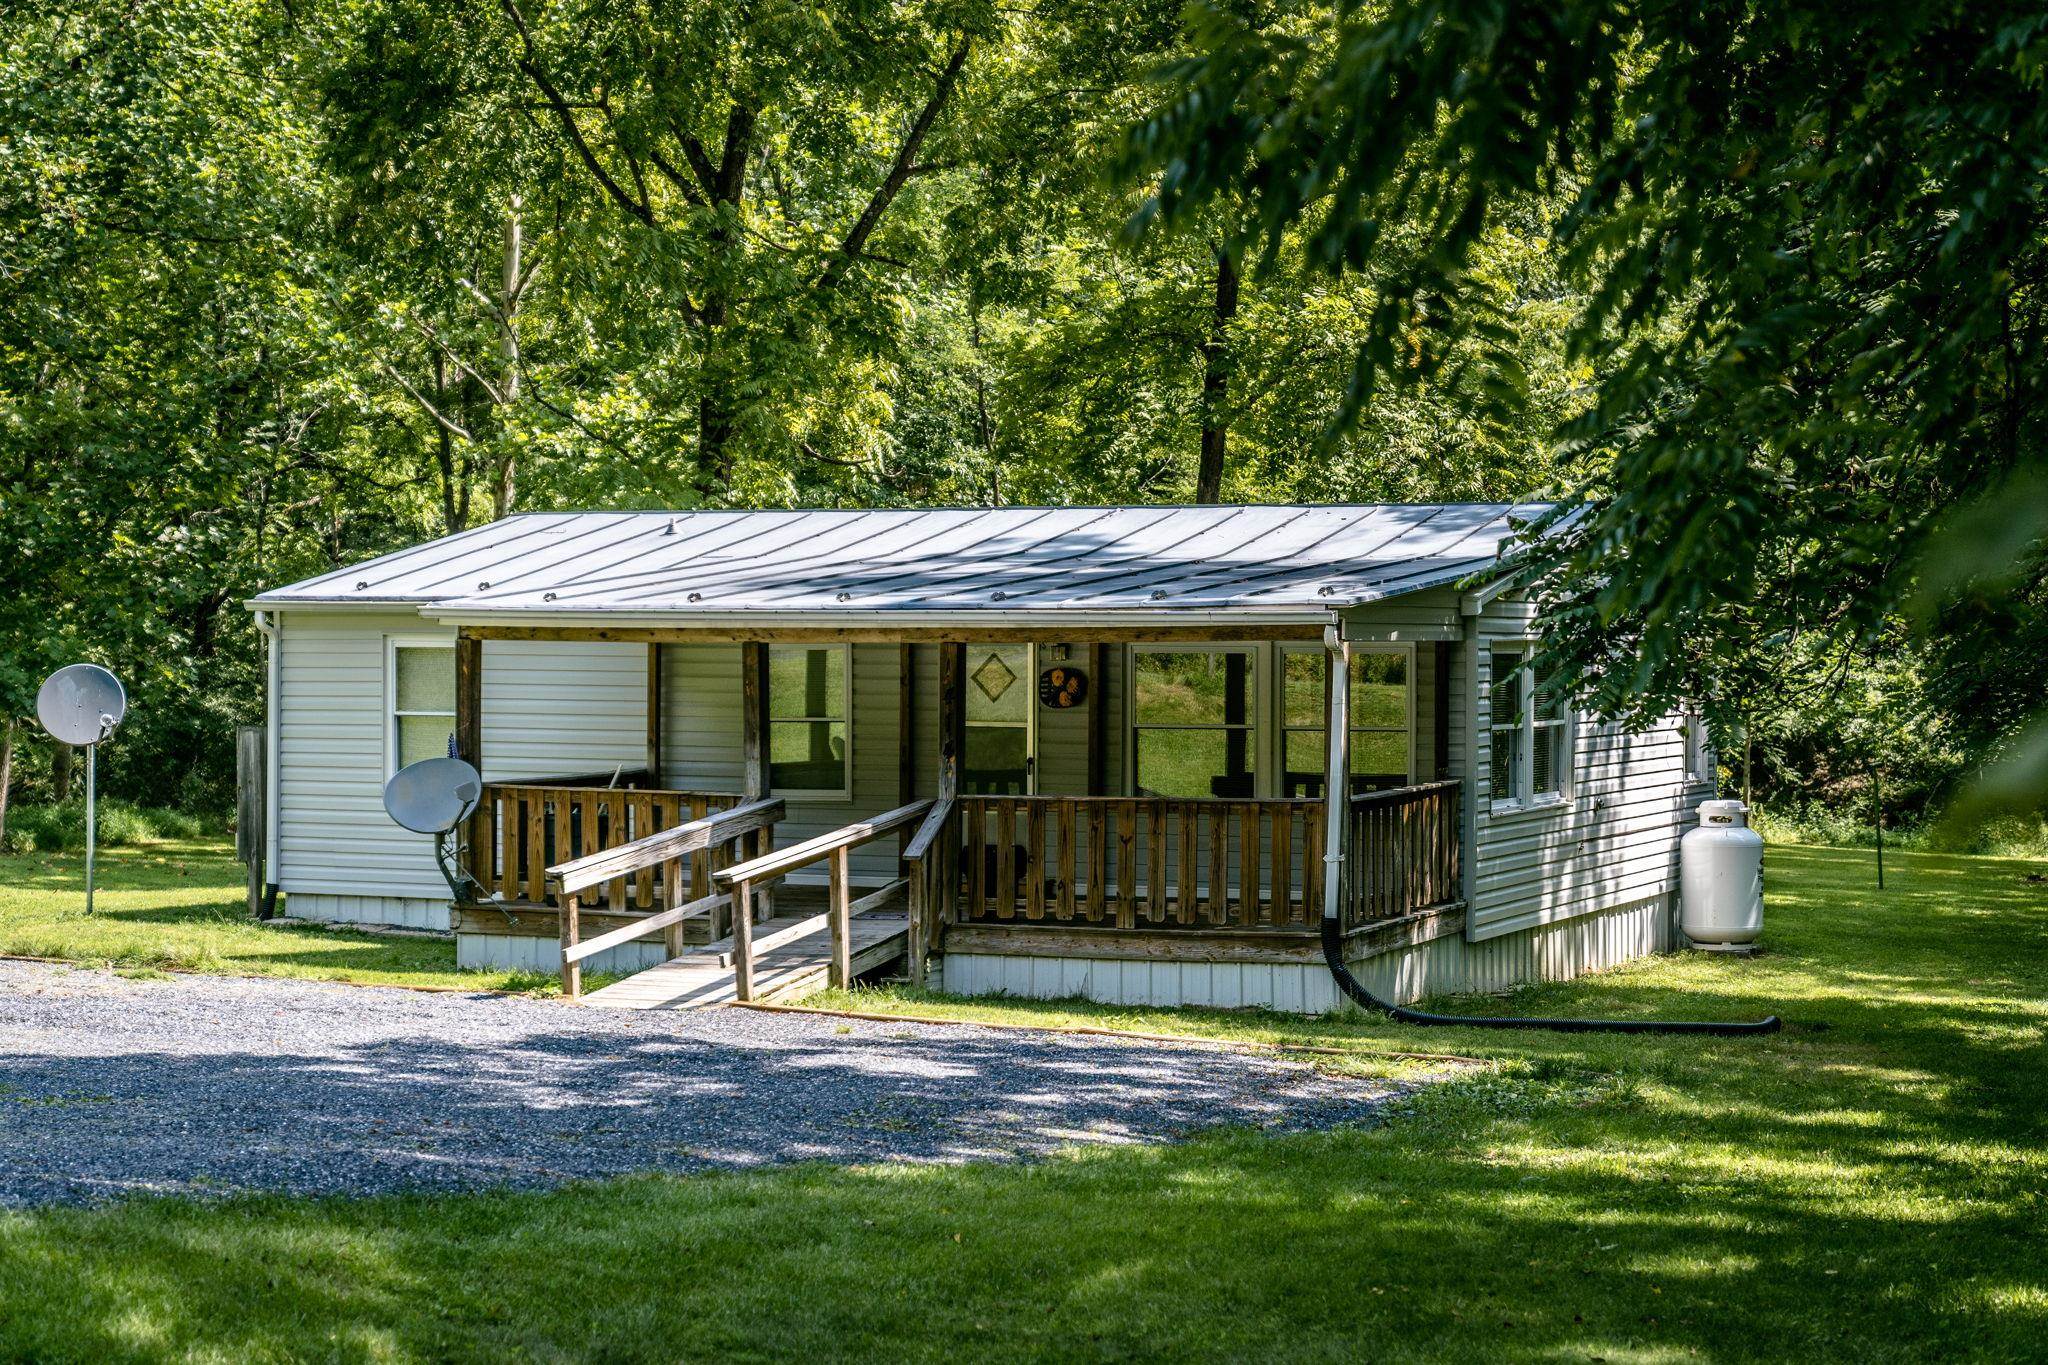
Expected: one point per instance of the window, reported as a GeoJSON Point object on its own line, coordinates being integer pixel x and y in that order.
{"type": "Point", "coordinates": [1381, 715]}
{"type": "Point", "coordinates": [1529, 728]}
{"type": "Point", "coordinates": [808, 729]}
{"type": "Point", "coordinates": [1699, 748]}
{"type": "Point", "coordinates": [422, 674]}
{"type": "Point", "coordinates": [1002, 696]}
{"type": "Point", "coordinates": [1192, 722]}
{"type": "Point", "coordinates": [1505, 724]}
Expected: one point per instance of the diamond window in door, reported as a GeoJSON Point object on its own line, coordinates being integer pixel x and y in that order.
{"type": "Point", "coordinates": [997, 760]}
{"type": "Point", "coordinates": [994, 677]}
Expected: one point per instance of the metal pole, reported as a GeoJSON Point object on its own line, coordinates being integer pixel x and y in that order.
{"type": "Point", "coordinates": [1336, 770]}
{"type": "Point", "coordinates": [91, 817]}
{"type": "Point", "coordinates": [1876, 801]}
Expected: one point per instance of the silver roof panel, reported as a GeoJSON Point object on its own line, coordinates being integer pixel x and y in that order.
{"type": "Point", "coordinates": [1012, 560]}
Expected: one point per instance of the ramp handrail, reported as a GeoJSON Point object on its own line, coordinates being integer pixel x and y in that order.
{"type": "Point", "coordinates": [932, 862]}
{"type": "Point", "coordinates": [665, 850]}
{"type": "Point", "coordinates": [743, 879]}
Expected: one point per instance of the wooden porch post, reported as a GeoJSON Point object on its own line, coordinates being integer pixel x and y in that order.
{"type": "Point", "coordinates": [952, 715]}
{"type": "Point", "coordinates": [654, 716]}
{"type": "Point", "coordinates": [1336, 771]}
{"type": "Point", "coordinates": [754, 780]}
{"type": "Point", "coordinates": [906, 735]}
{"type": "Point", "coordinates": [1098, 719]}
{"type": "Point", "coordinates": [952, 750]}
{"type": "Point", "coordinates": [469, 745]}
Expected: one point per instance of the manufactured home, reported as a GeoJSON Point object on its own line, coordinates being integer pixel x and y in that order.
{"type": "Point", "coordinates": [1134, 754]}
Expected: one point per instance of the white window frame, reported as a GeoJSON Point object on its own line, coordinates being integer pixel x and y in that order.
{"type": "Point", "coordinates": [392, 644]}
{"type": "Point", "coordinates": [1523, 728]}
{"type": "Point", "coordinates": [844, 792]}
{"type": "Point", "coordinates": [1321, 727]}
{"type": "Point", "coordinates": [1257, 742]}
{"type": "Point", "coordinates": [1699, 748]}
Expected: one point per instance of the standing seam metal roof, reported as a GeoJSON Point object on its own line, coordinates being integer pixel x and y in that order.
{"type": "Point", "coordinates": [1009, 559]}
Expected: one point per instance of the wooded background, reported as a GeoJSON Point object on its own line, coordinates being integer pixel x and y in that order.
{"type": "Point", "coordinates": [287, 285]}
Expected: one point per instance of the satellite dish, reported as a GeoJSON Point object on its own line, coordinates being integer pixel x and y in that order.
{"type": "Point", "coordinates": [81, 704]}
{"type": "Point", "coordinates": [434, 795]}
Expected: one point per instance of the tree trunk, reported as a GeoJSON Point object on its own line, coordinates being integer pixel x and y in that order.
{"type": "Point", "coordinates": [504, 482]}
{"type": "Point", "coordinates": [714, 401]}
{"type": "Point", "coordinates": [1216, 385]}
{"type": "Point", "coordinates": [6, 775]}
{"type": "Point", "coordinates": [60, 772]}
{"type": "Point", "coordinates": [452, 519]}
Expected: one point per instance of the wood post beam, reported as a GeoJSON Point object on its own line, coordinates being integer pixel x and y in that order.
{"type": "Point", "coordinates": [654, 715]}
{"type": "Point", "coordinates": [1098, 719]}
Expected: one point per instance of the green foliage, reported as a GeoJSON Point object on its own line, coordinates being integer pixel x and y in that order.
{"type": "Point", "coordinates": [1807, 246]}
{"type": "Point", "coordinates": [61, 828]}
{"type": "Point", "coordinates": [283, 288]}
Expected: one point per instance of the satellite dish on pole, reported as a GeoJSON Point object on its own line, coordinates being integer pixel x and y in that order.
{"type": "Point", "coordinates": [434, 796]}
{"type": "Point", "coordinates": [81, 704]}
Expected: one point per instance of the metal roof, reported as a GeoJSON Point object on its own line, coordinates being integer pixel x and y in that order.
{"type": "Point", "coordinates": [1299, 561]}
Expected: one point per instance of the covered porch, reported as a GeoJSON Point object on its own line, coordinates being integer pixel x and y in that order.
{"type": "Point", "coordinates": [904, 793]}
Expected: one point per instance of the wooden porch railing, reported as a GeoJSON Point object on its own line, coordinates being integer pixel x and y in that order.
{"type": "Point", "coordinates": [743, 879]}
{"type": "Point", "coordinates": [1405, 853]}
{"type": "Point", "coordinates": [1141, 862]}
{"type": "Point", "coordinates": [1153, 863]}
{"type": "Point", "coordinates": [520, 829]}
{"type": "Point", "coordinates": [932, 864]}
{"type": "Point", "coordinates": [662, 854]}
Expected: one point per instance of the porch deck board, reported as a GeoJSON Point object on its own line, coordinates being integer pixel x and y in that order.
{"type": "Point", "coordinates": [703, 977]}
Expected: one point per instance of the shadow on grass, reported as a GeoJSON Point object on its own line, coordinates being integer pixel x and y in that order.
{"type": "Point", "coordinates": [1866, 1186]}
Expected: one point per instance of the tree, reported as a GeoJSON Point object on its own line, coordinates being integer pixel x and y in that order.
{"type": "Point", "coordinates": [1808, 247]}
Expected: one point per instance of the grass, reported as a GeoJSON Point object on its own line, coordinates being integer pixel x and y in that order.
{"type": "Point", "coordinates": [1868, 1185]}
{"type": "Point", "coordinates": [180, 905]}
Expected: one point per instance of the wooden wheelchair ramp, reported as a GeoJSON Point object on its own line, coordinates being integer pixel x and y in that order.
{"type": "Point", "coordinates": [792, 954]}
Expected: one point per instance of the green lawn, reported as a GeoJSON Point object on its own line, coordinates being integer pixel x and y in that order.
{"type": "Point", "coordinates": [182, 906]}
{"type": "Point", "coordinates": [1868, 1185]}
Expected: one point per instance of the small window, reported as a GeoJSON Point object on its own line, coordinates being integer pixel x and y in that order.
{"type": "Point", "coordinates": [422, 701]}
{"type": "Point", "coordinates": [1191, 722]}
{"type": "Point", "coordinates": [1699, 748]}
{"type": "Point", "coordinates": [1550, 743]}
{"type": "Point", "coordinates": [1381, 711]}
{"type": "Point", "coordinates": [809, 734]}
{"type": "Point", "coordinates": [1505, 724]}
{"type": "Point", "coordinates": [1529, 726]}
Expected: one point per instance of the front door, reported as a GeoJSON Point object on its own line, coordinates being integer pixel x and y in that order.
{"type": "Point", "coordinates": [1002, 736]}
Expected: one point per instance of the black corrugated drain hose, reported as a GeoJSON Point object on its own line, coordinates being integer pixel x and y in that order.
{"type": "Point", "coordinates": [1333, 954]}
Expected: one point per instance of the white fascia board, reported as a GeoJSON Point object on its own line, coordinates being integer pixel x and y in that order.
{"type": "Point", "coordinates": [334, 606]}
{"type": "Point", "coordinates": [877, 618]}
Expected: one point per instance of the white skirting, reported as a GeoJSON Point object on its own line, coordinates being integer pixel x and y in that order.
{"type": "Point", "coordinates": [524, 952]}
{"type": "Point", "coordinates": [409, 912]}
{"type": "Point", "coordinates": [1444, 966]}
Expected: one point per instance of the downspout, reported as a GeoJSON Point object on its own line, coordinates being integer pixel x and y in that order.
{"type": "Point", "coordinates": [1337, 804]}
{"type": "Point", "coordinates": [272, 629]}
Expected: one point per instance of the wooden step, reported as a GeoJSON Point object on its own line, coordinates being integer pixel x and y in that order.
{"type": "Point", "coordinates": [792, 965]}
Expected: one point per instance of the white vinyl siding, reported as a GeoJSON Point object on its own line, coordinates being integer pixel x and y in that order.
{"type": "Point", "coordinates": [334, 752]}
{"type": "Point", "coordinates": [1610, 838]}
{"type": "Point", "coordinates": [550, 708]}
{"type": "Point", "coordinates": [557, 708]}
{"type": "Point", "coordinates": [703, 748]}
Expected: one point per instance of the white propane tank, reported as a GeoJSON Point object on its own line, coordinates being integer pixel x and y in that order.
{"type": "Point", "coordinates": [1721, 879]}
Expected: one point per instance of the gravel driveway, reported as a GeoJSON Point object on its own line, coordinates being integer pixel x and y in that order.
{"type": "Point", "coordinates": [111, 1085]}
